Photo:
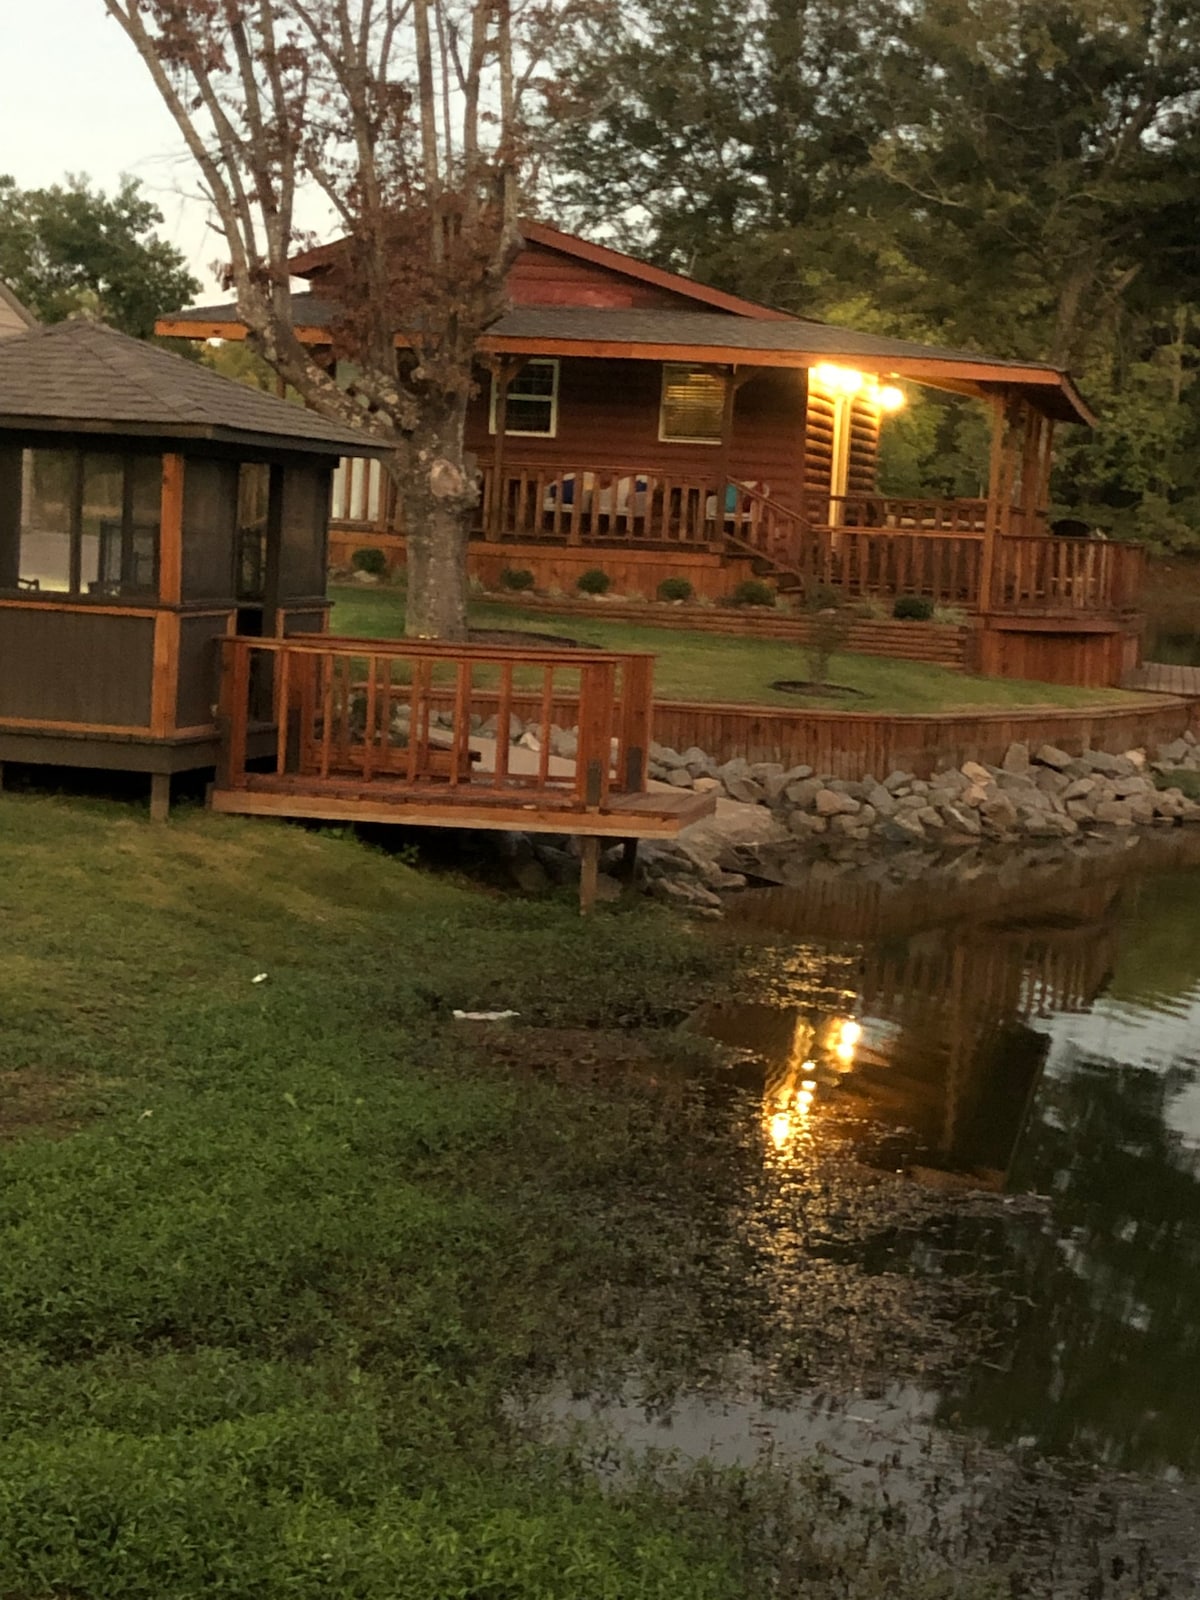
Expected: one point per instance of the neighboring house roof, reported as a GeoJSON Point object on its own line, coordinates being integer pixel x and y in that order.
{"type": "Point", "coordinates": [14, 318]}
{"type": "Point", "coordinates": [81, 377]}
{"type": "Point", "coordinates": [701, 336]}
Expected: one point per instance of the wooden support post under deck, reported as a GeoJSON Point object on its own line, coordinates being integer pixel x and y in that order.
{"type": "Point", "coordinates": [589, 873]}
{"type": "Point", "coordinates": [160, 797]}
{"type": "Point", "coordinates": [627, 868]}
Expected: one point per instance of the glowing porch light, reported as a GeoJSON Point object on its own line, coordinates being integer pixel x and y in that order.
{"type": "Point", "coordinates": [888, 397]}
{"type": "Point", "coordinates": [843, 379]}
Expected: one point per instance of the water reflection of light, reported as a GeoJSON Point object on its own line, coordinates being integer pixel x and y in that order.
{"type": "Point", "coordinates": [849, 1033]}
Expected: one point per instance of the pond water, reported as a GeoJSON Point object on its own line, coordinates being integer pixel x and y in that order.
{"type": "Point", "coordinates": [968, 1100]}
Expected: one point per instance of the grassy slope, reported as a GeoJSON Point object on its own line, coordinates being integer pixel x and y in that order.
{"type": "Point", "coordinates": [700, 666]}
{"type": "Point", "coordinates": [281, 1249]}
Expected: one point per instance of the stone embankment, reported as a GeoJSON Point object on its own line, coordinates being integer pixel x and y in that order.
{"type": "Point", "coordinates": [1036, 796]}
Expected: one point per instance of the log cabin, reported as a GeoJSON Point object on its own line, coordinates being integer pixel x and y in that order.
{"type": "Point", "coordinates": [631, 419]}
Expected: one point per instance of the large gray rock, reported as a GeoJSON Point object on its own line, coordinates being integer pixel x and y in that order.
{"type": "Point", "coordinates": [763, 771]}
{"type": "Point", "coordinates": [685, 893]}
{"type": "Point", "coordinates": [1049, 825]}
{"type": "Point", "coordinates": [1100, 761]}
{"type": "Point", "coordinates": [803, 824]}
{"type": "Point", "coordinates": [1177, 750]}
{"type": "Point", "coordinates": [1049, 755]}
{"type": "Point", "coordinates": [895, 781]}
{"type": "Point", "coordinates": [881, 800]}
{"type": "Point", "coordinates": [1016, 759]}
{"type": "Point", "coordinates": [976, 772]}
{"type": "Point", "coordinates": [1125, 788]}
{"type": "Point", "coordinates": [1115, 813]}
{"type": "Point", "coordinates": [680, 778]}
{"type": "Point", "coordinates": [746, 790]}
{"type": "Point", "coordinates": [903, 828]}
{"type": "Point", "coordinates": [1079, 789]}
{"type": "Point", "coordinates": [829, 803]}
{"type": "Point", "coordinates": [803, 792]}
{"type": "Point", "coordinates": [962, 819]}
{"type": "Point", "coordinates": [733, 825]}
{"type": "Point", "coordinates": [696, 760]}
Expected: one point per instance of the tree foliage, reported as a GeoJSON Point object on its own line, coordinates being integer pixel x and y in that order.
{"type": "Point", "coordinates": [1016, 176]}
{"type": "Point", "coordinates": [72, 247]}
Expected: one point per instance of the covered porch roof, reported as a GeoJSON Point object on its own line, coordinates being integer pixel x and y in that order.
{"type": "Point", "coordinates": [719, 338]}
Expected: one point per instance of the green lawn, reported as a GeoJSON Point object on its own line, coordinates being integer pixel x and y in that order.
{"type": "Point", "coordinates": [273, 1254]}
{"type": "Point", "coordinates": [701, 666]}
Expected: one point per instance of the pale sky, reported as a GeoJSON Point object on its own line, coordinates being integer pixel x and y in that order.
{"type": "Point", "coordinates": [75, 97]}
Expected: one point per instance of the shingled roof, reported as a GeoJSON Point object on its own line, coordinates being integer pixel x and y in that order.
{"type": "Point", "coordinates": [710, 336]}
{"type": "Point", "coordinates": [81, 377]}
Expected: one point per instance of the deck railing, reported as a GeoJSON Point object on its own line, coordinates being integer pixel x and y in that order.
{"type": "Point", "coordinates": [859, 545]}
{"type": "Point", "coordinates": [1066, 576]}
{"type": "Point", "coordinates": [324, 714]}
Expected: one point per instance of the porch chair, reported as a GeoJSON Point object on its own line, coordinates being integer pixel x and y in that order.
{"type": "Point", "coordinates": [740, 505]}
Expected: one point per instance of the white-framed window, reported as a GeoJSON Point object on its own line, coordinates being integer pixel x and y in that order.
{"type": "Point", "coordinates": [532, 408]}
{"type": "Point", "coordinates": [692, 410]}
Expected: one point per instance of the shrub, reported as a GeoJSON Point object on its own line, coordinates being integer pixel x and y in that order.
{"type": "Point", "coordinates": [593, 581]}
{"type": "Point", "coordinates": [913, 608]}
{"type": "Point", "coordinates": [368, 559]}
{"type": "Point", "coordinates": [827, 635]}
{"type": "Point", "coordinates": [752, 592]}
{"type": "Point", "coordinates": [519, 578]}
{"type": "Point", "coordinates": [675, 589]}
{"type": "Point", "coordinates": [822, 598]}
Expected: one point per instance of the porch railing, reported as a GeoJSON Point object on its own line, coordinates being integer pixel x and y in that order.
{"type": "Point", "coordinates": [432, 720]}
{"type": "Point", "coordinates": [1066, 576]}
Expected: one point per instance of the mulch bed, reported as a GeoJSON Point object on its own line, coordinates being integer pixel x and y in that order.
{"type": "Point", "coordinates": [802, 686]}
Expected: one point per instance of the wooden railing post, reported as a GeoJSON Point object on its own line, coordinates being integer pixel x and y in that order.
{"type": "Point", "coordinates": [637, 722]}
{"type": "Point", "coordinates": [233, 712]}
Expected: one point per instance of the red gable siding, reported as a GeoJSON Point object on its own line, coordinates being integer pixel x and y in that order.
{"type": "Point", "coordinates": [545, 277]}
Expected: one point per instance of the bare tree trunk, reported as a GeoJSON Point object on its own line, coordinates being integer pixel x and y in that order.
{"type": "Point", "coordinates": [438, 496]}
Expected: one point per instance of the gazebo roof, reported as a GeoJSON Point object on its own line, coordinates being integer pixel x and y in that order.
{"type": "Point", "coordinates": [81, 377]}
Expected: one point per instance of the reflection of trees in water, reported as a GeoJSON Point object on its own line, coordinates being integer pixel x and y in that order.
{"type": "Point", "coordinates": [1101, 1327]}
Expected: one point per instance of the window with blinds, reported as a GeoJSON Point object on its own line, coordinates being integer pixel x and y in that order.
{"type": "Point", "coordinates": [693, 405]}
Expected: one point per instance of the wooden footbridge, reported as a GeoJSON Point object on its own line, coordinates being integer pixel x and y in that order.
{"type": "Point", "coordinates": [402, 731]}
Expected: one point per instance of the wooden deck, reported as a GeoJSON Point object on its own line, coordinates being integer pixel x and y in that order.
{"type": "Point", "coordinates": [397, 731]}
{"type": "Point", "coordinates": [1161, 677]}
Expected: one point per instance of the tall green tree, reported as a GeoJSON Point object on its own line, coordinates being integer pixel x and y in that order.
{"type": "Point", "coordinates": [72, 247]}
{"type": "Point", "coordinates": [1016, 176]}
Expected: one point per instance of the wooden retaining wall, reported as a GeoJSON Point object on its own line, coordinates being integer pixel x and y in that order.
{"type": "Point", "coordinates": [855, 744]}
{"type": "Point", "coordinates": [938, 643]}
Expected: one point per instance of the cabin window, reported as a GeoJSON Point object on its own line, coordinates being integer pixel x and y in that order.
{"type": "Point", "coordinates": [693, 405]}
{"type": "Point", "coordinates": [532, 406]}
{"type": "Point", "coordinates": [89, 523]}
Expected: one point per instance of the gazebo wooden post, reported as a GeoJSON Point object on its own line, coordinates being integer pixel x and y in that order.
{"type": "Point", "coordinates": [165, 686]}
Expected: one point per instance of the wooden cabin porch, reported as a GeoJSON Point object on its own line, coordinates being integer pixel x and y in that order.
{"type": "Point", "coordinates": [397, 731]}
